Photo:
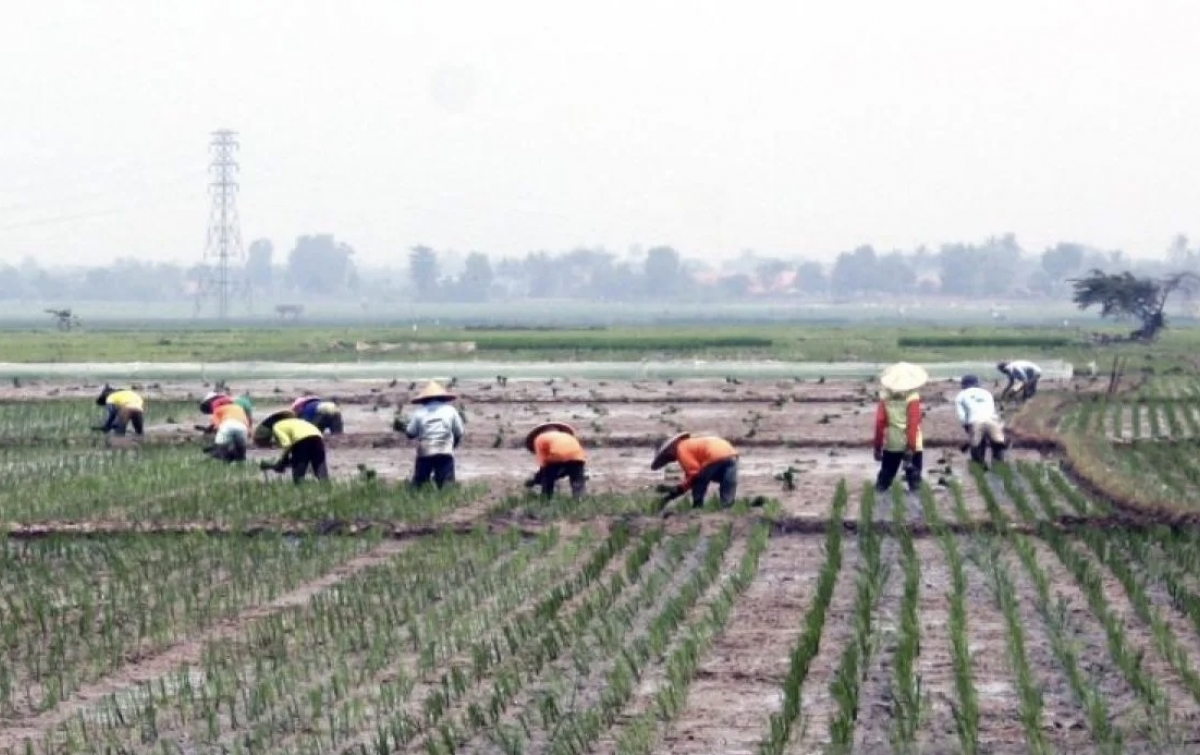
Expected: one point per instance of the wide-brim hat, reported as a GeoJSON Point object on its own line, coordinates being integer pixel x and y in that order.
{"type": "Point", "coordinates": [546, 427]}
{"type": "Point", "coordinates": [270, 420]}
{"type": "Point", "coordinates": [433, 391]}
{"type": "Point", "coordinates": [902, 377]}
{"type": "Point", "coordinates": [666, 452]}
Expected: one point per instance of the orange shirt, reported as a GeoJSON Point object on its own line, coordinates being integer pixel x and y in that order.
{"type": "Point", "coordinates": [555, 446]}
{"type": "Point", "coordinates": [229, 410]}
{"type": "Point", "coordinates": [694, 454]}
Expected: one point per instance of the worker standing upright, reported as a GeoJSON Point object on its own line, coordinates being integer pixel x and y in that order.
{"type": "Point", "coordinates": [559, 454]}
{"type": "Point", "coordinates": [438, 429]}
{"type": "Point", "coordinates": [324, 414]}
{"type": "Point", "coordinates": [898, 440]}
{"type": "Point", "coordinates": [976, 410]}
{"type": "Point", "coordinates": [122, 408]}
{"type": "Point", "coordinates": [1023, 377]}
{"type": "Point", "coordinates": [703, 461]}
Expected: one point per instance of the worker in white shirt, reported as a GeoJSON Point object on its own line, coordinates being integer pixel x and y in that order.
{"type": "Point", "coordinates": [976, 411]}
{"type": "Point", "coordinates": [1023, 377]}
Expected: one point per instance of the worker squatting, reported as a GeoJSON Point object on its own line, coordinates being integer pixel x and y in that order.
{"type": "Point", "coordinates": [437, 428]}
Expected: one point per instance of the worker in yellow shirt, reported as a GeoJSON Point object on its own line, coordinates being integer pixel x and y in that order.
{"type": "Point", "coordinates": [703, 461]}
{"type": "Point", "coordinates": [302, 443]}
{"type": "Point", "coordinates": [122, 407]}
{"type": "Point", "coordinates": [559, 454]}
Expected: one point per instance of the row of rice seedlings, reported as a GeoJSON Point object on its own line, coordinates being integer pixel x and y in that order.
{"type": "Point", "coordinates": [1107, 551]}
{"type": "Point", "coordinates": [639, 736]}
{"type": "Point", "coordinates": [600, 665]}
{"type": "Point", "coordinates": [808, 643]}
{"type": "Point", "coordinates": [1091, 583]}
{"type": "Point", "coordinates": [1168, 555]}
{"type": "Point", "coordinates": [177, 485]}
{"type": "Point", "coordinates": [1083, 417]}
{"type": "Point", "coordinates": [75, 610]}
{"type": "Point", "coordinates": [988, 559]}
{"type": "Point", "coordinates": [607, 504]}
{"type": "Point", "coordinates": [60, 420]}
{"type": "Point", "coordinates": [906, 685]}
{"type": "Point", "coordinates": [1086, 694]}
{"type": "Point", "coordinates": [446, 636]}
{"type": "Point", "coordinates": [20, 465]}
{"type": "Point", "coordinates": [530, 687]}
{"type": "Point", "coordinates": [287, 674]}
{"type": "Point", "coordinates": [966, 707]}
{"type": "Point", "coordinates": [869, 582]}
{"type": "Point", "coordinates": [580, 730]}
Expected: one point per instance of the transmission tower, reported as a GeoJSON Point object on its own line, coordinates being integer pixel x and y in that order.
{"type": "Point", "coordinates": [223, 271]}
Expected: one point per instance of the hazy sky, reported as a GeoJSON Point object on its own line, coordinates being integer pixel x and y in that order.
{"type": "Point", "coordinates": [791, 127]}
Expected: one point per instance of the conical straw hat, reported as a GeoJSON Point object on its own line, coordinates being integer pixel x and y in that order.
{"type": "Point", "coordinates": [666, 452]}
{"type": "Point", "coordinates": [275, 416]}
{"type": "Point", "coordinates": [544, 427]}
{"type": "Point", "coordinates": [903, 377]}
{"type": "Point", "coordinates": [432, 391]}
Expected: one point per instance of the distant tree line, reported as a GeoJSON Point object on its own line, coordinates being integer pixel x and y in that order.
{"type": "Point", "coordinates": [322, 266]}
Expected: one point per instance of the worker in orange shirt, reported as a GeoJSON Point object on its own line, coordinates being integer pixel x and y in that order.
{"type": "Point", "coordinates": [559, 454]}
{"type": "Point", "coordinates": [230, 427]}
{"type": "Point", "coordinates": [703, 461]}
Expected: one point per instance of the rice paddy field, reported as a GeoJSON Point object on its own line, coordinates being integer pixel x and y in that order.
{"type": "Point", "coordinates": [154, 601]}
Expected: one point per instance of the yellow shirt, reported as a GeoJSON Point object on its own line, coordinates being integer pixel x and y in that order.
{"type": "Point", "coordinates": [290, 431]}
{"type": "Point", "coordinates": [125, 400]}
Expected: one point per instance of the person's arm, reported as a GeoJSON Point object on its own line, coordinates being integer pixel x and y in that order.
{"type": "Point", "coordinates": [456, 427]}
{"type": "Point", "coordinates": [880, 427]}
{"type": "Point", "coordinates": [414, 426]}
{"type": "Point", "coordinates": [286, 444]}
{"type": "Point", "coordinates": [110, 420]}
{"type": "Point", "coordinates": [960, 408]}
{"type": "Point", "coordinates": [913, 422]}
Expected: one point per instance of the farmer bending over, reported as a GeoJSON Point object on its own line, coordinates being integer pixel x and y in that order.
{"type": "Point", "coordinates": [325, 415]}
{"type": "Point", "coordinates": [559, 454]}
{"type": "Point", "coordinates": [230, 427]}
{"type": "Point", "coordinates": [302, 444]}
{"type": "Point", "coordinates": [976, 411]}
{"type": "Point", "coordinates": [438, 429]}
{"type": "Point", "coordinates": [1023, 377]}
{"type": "Point", "coordinates": [898, 437]}
{"type": "Point", "coordinates": [122, 407]}
{"type": "Point", "coordinates": [703, 460]}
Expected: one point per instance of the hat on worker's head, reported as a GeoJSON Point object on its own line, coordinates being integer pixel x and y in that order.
{"type": "Point", "coordinates": [264, 431]}
{"type": "Point", "coordinates": [300, 402]}
{"type": "Point", "coordinates": [666, 451]}
{"type": "Point", "coordinates": [211, 401]}
{"type": "Point", "coordinates": [433, 391]}
{"type": "Point", "coordinates": [561, 427]}
{"type": "Point", "coordinates": [105, 392]}
{"type": "Point", "coordinates": [903, 377]}
{"type": "Point", "coordinates": [969, 381]}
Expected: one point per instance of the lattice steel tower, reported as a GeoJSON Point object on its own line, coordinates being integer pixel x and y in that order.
{"type": "Point", "coordinates": [223, 271]}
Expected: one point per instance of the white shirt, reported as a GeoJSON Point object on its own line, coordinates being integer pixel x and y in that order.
{"type": "Point", "coordinates": [437, 426]}
{"type": "Point", "coordinates": [1023, 370]}
{"type": "Point", "coordinates": [974, 405]}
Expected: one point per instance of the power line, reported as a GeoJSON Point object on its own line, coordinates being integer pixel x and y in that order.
{"type": "Point", "coordinates": [223, 269]}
